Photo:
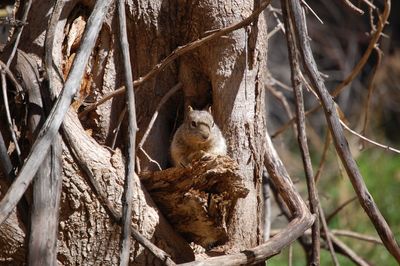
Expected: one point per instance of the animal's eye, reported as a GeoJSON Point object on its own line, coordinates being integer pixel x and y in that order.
{"type": "Point", "coordinates": [193, 124]}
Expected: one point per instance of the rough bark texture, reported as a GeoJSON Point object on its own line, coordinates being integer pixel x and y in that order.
{"type": "Point", "coordinates": [228, 73]}
{"type": "Point", "coordinates": [219, 68]}
{"type": "Point", "coordinates": [199, 199]}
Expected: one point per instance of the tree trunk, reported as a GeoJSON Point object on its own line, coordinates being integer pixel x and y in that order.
{"type": "Point", "coordinates": [232, 69]}
{"type": "Point", "coordinates": [227, 73]}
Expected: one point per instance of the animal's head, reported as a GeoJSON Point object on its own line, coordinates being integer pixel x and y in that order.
{"type": "Point", "coordinates": [199, 124]}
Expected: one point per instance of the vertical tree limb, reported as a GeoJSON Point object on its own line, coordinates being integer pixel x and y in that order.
{"type": "Point", "coordinates": [301, 133]}
{"type": "Point", "coordinates": [55, 118]}
{"type": "Point", "coordinates": [132, 128]}
{"type": "Point", "coordinates": [47, 184]}
{"type": "Point", "coordinates": [340, 141]}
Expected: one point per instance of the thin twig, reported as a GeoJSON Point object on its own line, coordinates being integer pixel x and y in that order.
{"type": "Point", "coordinates": [383, 18]}
{"type": "Point", "coordinates": [371, 87]}
{"type": "Point", "coordinates": [5, 68]}
{"type": "Point", "coordinates": [340, 141]}
{"type": "Point", "coordinates": [368, 3]}
{"type": "Point", "coordinates": [282, 99]}
{"type": "Point", "coordinates": [358, 236]}
{"type": "Point", "coordinates": [352, 7]}
{"type": "Point", "coordinates": [27, 7]}
{"type": "Point", "coordinates": [301, 133]}
{"type": "Point", "coordinates": [323, 156]}
{"type": "Point", "coordinates": [105, 98]}
{"type": "Point", "coordinates": [132, 128]}
{"type": "Point", "coordinates": [50, 128]}
{"type": "Point", "coordinates": [150, 159]}
{"type": "Point", "coordinates": [348, 251]}
{"type": "Point", "coordinates": [328, 240]}
{"type": "Point", "coordinates": [279, 24]}
{"type": "Point", "coordinates": [385, 147]}
{"type": "Point", "coordinates": [267, 206]}
{"type": "Point", "coordinates": [312, 11]}
{"type": "Point", "coordinates": [8, 116]}
{"type": "Point", "coordinates": [155, 115]}
{"type": "Point", "coordinates": [338, 209]}
{"type": "Point", "coordinates": [117, 128]}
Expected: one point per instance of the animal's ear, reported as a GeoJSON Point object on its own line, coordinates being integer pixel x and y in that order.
{"type": "Point", "coordinates": [189, 109]}
{"type": "Point", "coordinates": [209, 109]}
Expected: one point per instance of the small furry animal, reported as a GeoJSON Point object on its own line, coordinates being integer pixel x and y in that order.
{"type": "Point", "coordinates": [198, 132]}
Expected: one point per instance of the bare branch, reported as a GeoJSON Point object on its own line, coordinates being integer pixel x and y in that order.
{"type": "Point", "coordinates": [348, 252]}
{"type": "Point", "coordinates": [48, 180]}
{"type": "Point", "coordinates": [383, 18]}
{"type": "Point", "coordinates": [371, 87]}
{"type": "Point", "coordinates": [325, 229]}
{"type": "Point", "coordinates": [55, 118]}
{"type": "Point", "coordinates": [338, 209]}
{"type": "Point", "coordinates": [323, 157]}
{"type": "Point", "coordinates": [352, 7]}
{"type": "Point", "coordinates": [341, 144]}
{"type": "Point", "coordinates": [358, 236]}
{"type": "Point", "coordinates": [301, 133]}
{"type": "Point", "coordinates": [155, 115]}
{"type": "Point", "coordinates": [132, 128]}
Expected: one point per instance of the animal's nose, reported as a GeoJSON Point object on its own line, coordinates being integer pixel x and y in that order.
{"type": "Point", "coordinates": [205, 136]}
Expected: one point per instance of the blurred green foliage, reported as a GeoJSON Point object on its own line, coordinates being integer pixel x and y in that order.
{"type": "Point", "coordinates": [381, 172]}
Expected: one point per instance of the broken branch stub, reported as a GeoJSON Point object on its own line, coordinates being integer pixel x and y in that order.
{"type": "Point", "coordinates": [198, 199]}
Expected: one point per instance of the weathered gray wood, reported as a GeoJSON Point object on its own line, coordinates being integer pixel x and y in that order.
{"type": "Point", "coordinates": [131, 149]}
{"type": "Point", "coordinates": [55, 118]}
{"type": "Point", "coordinates": [47, 183]}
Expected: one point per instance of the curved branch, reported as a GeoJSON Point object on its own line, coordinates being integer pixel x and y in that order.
{"type": "Point", "coordinates": [56, 116]}
{"type": "Point", "coordinates": [302, 218]}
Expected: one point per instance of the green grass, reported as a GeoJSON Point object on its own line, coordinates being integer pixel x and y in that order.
{"type": "Point", "coordinates": [381, 172]}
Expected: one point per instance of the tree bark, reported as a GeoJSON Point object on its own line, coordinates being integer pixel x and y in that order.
{"type": "Point", "coordinates": [227, 73]}
{"type": "Point", "coordinates": [232, 69]}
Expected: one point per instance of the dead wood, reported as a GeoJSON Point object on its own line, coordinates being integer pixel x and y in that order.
{"type": "Point", "coordinates": [48, 179]}
{"type": "Point", "coordinates": [198, 199]}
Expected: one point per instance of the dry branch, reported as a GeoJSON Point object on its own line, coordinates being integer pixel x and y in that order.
{"type": "Point", "coordinates": [198, 199]}
{"type": "Point", "coordinates": [301, 133]}
{"type": "Point", "coordinates": [358, 236]}
{"type": "Point", "coordinates": [348, 252]}
{"type": "Point", "coordinates": [336, 130]}
{"type": "Point", "coordinates": [132, 128]}
{"type": "Point", "coordinates": [47, 183]}
{"type": "Point", "coordinates": [53, 122]}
